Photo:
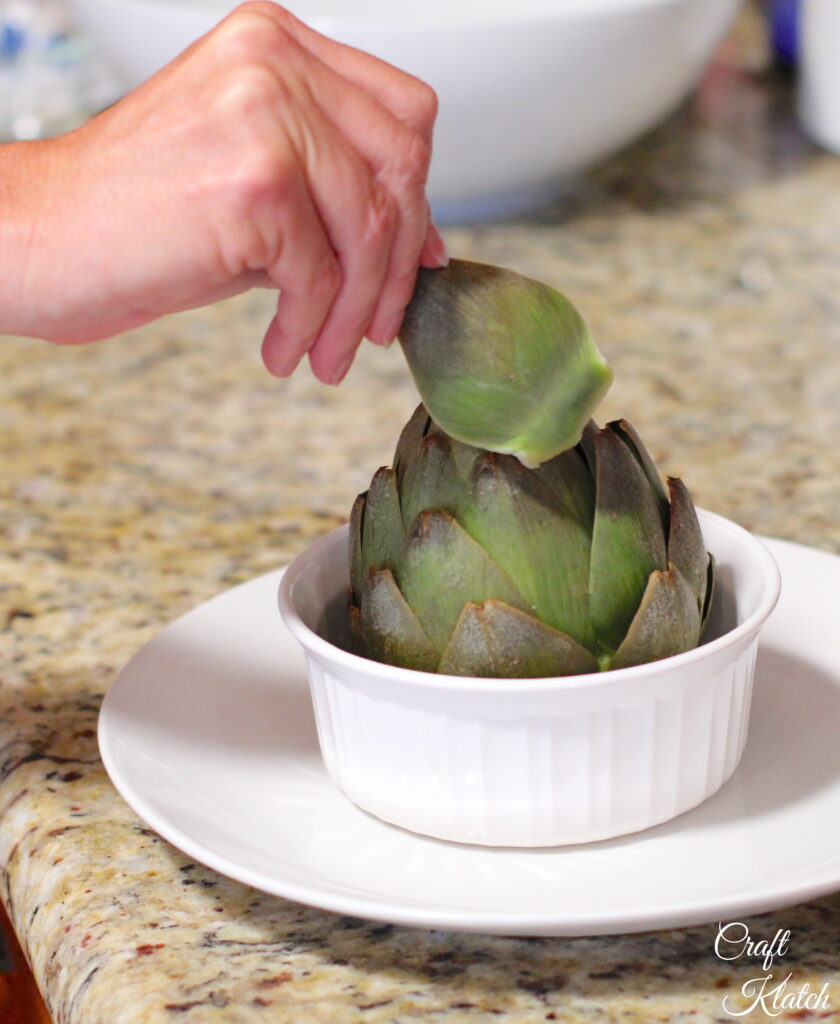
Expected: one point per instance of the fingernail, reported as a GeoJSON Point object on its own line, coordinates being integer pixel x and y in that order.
{"type": "Point", "coordinates": [387, 335]}
{"type": "Point", "coordinates": [285, 368]}
{"type": "Point", "coordinates": [437, 247]}
{"type": "Point", "coordinates": [341, 372]}
{"type": "Point", "coordinates": [280, 359]}
{"type": "Point", "coordinates": [379, 338]}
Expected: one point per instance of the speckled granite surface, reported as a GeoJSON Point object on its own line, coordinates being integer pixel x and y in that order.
{"type": "Point", "coordinates": [143, 475]}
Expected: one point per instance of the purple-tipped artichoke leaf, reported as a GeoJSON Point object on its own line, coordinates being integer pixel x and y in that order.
{"type": "Point", "coordinates": [709, 595]}
{"type": "Point", "coordinates": [628, 434]}
{"type": "Point", "coordinates": [686, 547]}
{"type": "Point", "coordinates": [358, 569]}
{"type": "Point", "coordinates": [628, 541]}
{"type": "Point", "coordinates": [444, 569]}
{"type": "Point", "coordinates": [501, 361]}
{"type": "Point", "coordinates": [390, 628]}
{"type": "Point", "coordinates": [667, 621]}
{"type": "Point", "coordinates": [587, 445]}
{"type": "Point", "coordinates": [494, 639]}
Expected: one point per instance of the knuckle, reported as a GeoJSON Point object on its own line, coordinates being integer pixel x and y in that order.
{"type": "Point", "coordinates": [262, 179]}
{"type": "Point", "coordinates": [263, 8]}
{"type": "Point", "coordinates": [417, 155]}
{"type": "Point", "coordinates": [410, 162]}
{"type": "Point", "coordinates": [403, 279]}
{"type": "Point", "coordinates": [381, 218]}
{"type": "Point", "coordinates": [251, 32]}
{"type": "Point", "coordinates": [325, 278]}
{"type": "Point", "coordinates": [424, 102]}
{"type": "Point", "coordinates": [260, 182]}
{"type": "Point", "coordinates": [250, 90]}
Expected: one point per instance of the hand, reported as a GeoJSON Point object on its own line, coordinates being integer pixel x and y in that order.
{"type": "Point", "coordinates": [264, 155]}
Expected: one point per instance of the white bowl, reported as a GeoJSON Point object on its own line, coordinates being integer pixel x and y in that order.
{"type": "Point", "coordinates": [536, 762]}
{"type": "Point", "coordinates": [531, 91]}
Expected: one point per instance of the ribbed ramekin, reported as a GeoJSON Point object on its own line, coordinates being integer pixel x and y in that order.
{"type": "Point", "coordinates": [536, 762]}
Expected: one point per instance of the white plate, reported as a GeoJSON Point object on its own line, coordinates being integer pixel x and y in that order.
{"type": "Point", "coordinates": [209, 736]}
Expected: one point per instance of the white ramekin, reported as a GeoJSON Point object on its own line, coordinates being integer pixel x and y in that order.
{"type": "Point", "coordinates": [536, 762]}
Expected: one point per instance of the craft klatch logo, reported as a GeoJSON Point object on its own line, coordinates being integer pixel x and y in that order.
{"type": "Point", "coordinates": [772, 991]}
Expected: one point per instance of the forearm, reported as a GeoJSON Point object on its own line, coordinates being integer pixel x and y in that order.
{"type": "Point", "coordinates": [24, 202]}
{"type": "Point", "coordinates": [61, 237]}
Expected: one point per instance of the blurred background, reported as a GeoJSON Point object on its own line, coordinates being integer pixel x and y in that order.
{"type": "Point", "coordinates": [541, 90]}
{"type": "Point", "coordinates": [52, 78]}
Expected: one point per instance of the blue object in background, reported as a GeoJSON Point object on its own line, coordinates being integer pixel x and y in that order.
{"type": "Point", "coordinates": [12, 39]}
{"type": "Point", "coordinates": [50, 80]}
{"type": "Point", "coordinates": [784, 17]}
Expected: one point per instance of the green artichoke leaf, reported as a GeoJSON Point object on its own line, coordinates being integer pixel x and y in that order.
{"type": "Point", "coordinates": [686, 547]}
{"type": "Point", "coordinates": [667, 622]}
{"type": "Point", "coordinates": [494, 639]}
{"type": "Point", "coordinates": [463, 455]}
{"type": "Point", "coordinates": [409, 441]}
{"type": "Point", "coordinates": [443, 569]}
{"type": "Point", "coordinates": [389, 628]}
{"type": "Point", "coordinates": [383, 536]}
{"type": "Point", "coordinates": [538, 541]}
{"type": "Point", "coordinates": [431, 479]}
{"type": "Point", "coordinates": [628, 539]}
{"type": "Point", "coordinates": [501, 361]}
{"type": "Point", "coordinates": [568, 478]}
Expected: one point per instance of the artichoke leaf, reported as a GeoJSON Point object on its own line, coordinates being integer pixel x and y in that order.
{"type": "Point", "coordinates": [666, 623]}
{"type": "Point", "coordinates": [383, 536]}
{"type": "Point", "coordinates": [493, 639]}
{"type": "Point", "coordinates": [463, 455]}
{"type": "Point", "coordinates": [409, 441]}
{"type": "Point", "coordinates": [501, 361]}
{"type": "Point", "coordinates": [628, 435]}
{"type": "Point", "coordinates": [431, 480]}
{"type": "Point", "coordinates": [357, 566]}
{"type": "Point", "coordinates": [686, 547]}
{"type": "Point", "coordinates": [568, 478]}
{"type": "Point", "coordinates": [444, 569]}
{"type": "Point", "coordinates": [390, 629]}
{"type": "Point", "coordinates": [710, 595]}
{"type": "Point", "coordinates": [628, 540]}
{"type": "Point", "coordinates": [587, 445]}
{"type": "Point", "coordinates": [517, 520]}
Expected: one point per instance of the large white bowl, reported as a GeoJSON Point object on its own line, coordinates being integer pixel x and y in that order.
{"type": "Point", "coordinates": [536, 762]}
{"type": "Point", "coordinates": [531, 91]}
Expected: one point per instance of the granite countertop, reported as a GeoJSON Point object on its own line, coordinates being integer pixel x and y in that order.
{"type": "Point", "coordinates": [145, 474]}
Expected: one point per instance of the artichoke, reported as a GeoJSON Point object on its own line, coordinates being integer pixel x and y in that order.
{"type": "Point", "coordinates": [464, 561]}
{"type": "Point", "coordinates": [502, 361]}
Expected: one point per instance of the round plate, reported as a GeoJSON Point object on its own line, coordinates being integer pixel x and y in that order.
{"type": "Point", "coordinates": [208, 734]}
